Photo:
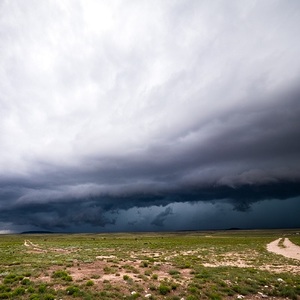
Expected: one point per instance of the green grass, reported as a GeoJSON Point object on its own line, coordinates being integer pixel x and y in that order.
{"type": "Point", "coordinates": [62, 274]}
{"type": "Point", "coordinates": [189, 265]}
{"type": "Point", "coordinates": [164, 289]}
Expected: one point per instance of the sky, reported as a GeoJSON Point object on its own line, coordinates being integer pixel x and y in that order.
{"type": "Point", "coordinates": [153, 115]}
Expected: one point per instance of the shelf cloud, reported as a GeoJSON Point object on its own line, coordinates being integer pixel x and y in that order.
{"type": "Point", "coordinates": [130, 115]}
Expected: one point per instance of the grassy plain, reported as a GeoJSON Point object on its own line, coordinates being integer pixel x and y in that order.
{"type": "Point", "coordinates": [183, 265]}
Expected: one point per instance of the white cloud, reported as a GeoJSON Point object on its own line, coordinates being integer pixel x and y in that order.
{"type": "Point", "coordinates": [95, 79]}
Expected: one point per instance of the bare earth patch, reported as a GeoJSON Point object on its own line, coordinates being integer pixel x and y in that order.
{"type": "Point", "coordinates": [231, 259]}
{"type": "Point", "coordinates": [34, 248]}
{"type": "Point", "coordinates": [289, 249]}
{"type": "Point", "coordinates": [89, 270]}
{"type": "Point", "coordinates": [245, 259]}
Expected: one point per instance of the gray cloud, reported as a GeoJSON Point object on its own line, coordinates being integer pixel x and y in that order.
{"type": "Point", "coordinates": [161, 217]}
{"type": "Point", "coordinates": [108, 107]}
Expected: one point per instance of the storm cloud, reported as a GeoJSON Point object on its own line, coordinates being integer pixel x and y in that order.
{"type": "Point", "coordinates": [129, 115]}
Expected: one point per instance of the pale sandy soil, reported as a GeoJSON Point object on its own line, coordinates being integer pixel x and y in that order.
{"type": "Point", "coordinates": [34, 248]}
{"type": "Point", "coordinates": [288, 250]}
{"type": "Point", "coordinates": [85, 271]}
{"type": "Point", "coordinates": [245, 259]}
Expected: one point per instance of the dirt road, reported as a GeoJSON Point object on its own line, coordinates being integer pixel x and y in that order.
{"type": "Point", "coordinates": [287, 249]}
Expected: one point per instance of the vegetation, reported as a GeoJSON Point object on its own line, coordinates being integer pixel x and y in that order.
{"type": "Point", "coordinates": [188, 265]}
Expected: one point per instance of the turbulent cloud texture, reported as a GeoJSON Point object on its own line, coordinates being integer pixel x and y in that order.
{"type": "Point", "coordinates": [113, 114]}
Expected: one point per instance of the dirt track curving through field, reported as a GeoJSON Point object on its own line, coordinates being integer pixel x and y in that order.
{"type": "Point", "coordinates": [38, 249]}
{"type": "Point", "coordinates": [33, 247]}
{"type": "Point", "coordinates": [288, 249]}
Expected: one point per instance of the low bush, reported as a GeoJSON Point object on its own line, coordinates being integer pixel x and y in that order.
{"type": "Point", "coordinates": [73, 290]}
{"type": "Point", "coordinates": [163, 289]}
{"type": "Point", "coordinates": [62, 274]}
{"type": "Point", "coordinates": [90, 283]}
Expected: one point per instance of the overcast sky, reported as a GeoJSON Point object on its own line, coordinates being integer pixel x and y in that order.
{"type": "Point", "coordinates": [149, 115]}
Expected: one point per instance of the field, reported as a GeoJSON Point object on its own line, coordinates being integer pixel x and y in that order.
{"type": "Point", "coordinates": [183, 265]}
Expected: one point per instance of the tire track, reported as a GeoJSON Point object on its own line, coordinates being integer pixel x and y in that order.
{"type": "Point", "coordinates": [289, 249]}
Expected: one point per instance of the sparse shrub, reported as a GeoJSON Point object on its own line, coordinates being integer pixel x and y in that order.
{"type": "Point", "coordinates": [34, 297]}
{"type": "Point", "coordinates": [90, 283]}
{"type": "Point", "coordinates": [163, 289]}
{"type": "Point", "coordinates": [73, 290]}
{"type": "Point", "coordinates": [174, 272]}
{"type": "Point", "coordinates": [185, 266]}
{"type": "Point", "coordinates": [145, 278]}
{"type": "Point", "coordinates": [144, 264]}
{"type": "Point", "coordinates": [59, 274]}
{"type": "Point", "coordinates": [154, 276]}
{"type": "Point", "coordinates": [289, 292]}
{"type": "Point", "coordinates": [193, 289]}
{"type": "Point", "coordinates": [26, 281]}
{"type": "Point", "coordinates": [42, 288]}
{"type": "Point", "coordinates": [126, 277]}
{"type": "Point", "coordinates": [62, 275]}
{"type": "Point", "coordinates": [48, 297]}
{"type": "Point", "coordinates": [214, 296]}
{"type": "Point", "coordinates": [10, 278]}
{"type": "Point", "coordinates": [174, 286]}
{"type": "Point", "coordinates": [127, 267]}
{"type": "Point", "coordinates": [156, 267]}
{"type": "Point", "coordinates": [4, 288]}
{"type": "Point", "coordinates": [191, 297]}
{"type": "Point", "coordinates": [30, 289]}
{"type": "Point", "coordinates": [5, 295]}
{"type": "Point", "coordinates": [107, 270]}
{"type": "Point", "coordinates": [240, 289]}
{"type": "Point", "coordinates": [134, 296]}
{"type": "Point", "coordinates": [68, 278]}
{"type": "Point", "coordinates": [19, 291]}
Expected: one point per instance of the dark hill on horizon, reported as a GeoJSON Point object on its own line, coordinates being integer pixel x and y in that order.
{"type": "Point", "coordinates": [37, 232]}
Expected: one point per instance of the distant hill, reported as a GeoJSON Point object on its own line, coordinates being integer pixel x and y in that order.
{"type": "Point", "coordinates": [37, 232]}
{"type": "Point", "coordinates": [233, 228]}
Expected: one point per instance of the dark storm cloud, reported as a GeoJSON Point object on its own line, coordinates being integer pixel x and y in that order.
{"type": "Point", "coordinates": [260, 163]}
{"type": "Point", "coordinates": [57, 215]}
{"type": "Point", "coordinates": [161, 217]}
{"type": "Point", "coordinates": [107, 108]}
